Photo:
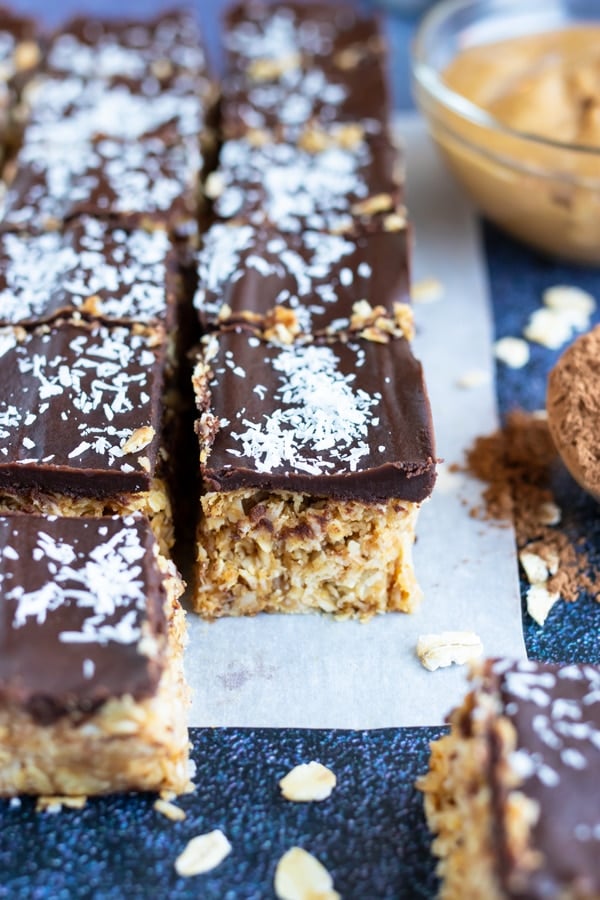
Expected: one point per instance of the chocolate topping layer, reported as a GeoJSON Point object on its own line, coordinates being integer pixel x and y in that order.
{"type": "Point", "coordinates": [314, 94]}
{"type": "Point", "coordinates": [66, 110]}
{"type": "Point", "coordinates": [76, 598]}
{"type": "Point", "coordinates": [556, 713]}
{"type": "Point", "coordinates": [134, 182]}
{"type": "Point", "coordinates": [71, 396]}
{"type": "Point", "coordinates": [347, 420]}
{"type": "Point", "coordinates": [244, 269]}
{"type": "Point", "coordinates": [262, 31]}
{"type": "Point", "coordinates": [108, 48]}
{"type": "Point", "coordinates": [101, 272]}
{"type": "Point", "coordinates": [322, 188]}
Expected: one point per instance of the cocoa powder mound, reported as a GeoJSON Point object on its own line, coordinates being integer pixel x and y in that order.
{"type": "Point", "coordinates": [515, 463]}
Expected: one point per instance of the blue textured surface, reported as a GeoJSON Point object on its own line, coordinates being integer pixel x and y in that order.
{"type": "Point", "coordinates": [371, 832]}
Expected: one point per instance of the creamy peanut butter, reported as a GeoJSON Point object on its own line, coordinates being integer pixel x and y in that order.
{"type": "Point", "coordinates": [541, 91]}
{"type": "Point", "coordinates": [547, 85]}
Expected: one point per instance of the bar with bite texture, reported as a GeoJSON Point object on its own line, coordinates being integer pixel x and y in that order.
{"type": "Point", "coordinates": [512, 791]}
{"type": "Point", "coordinates": [92, 695]}
{"type": "Point", "coordinates": [315, 458]}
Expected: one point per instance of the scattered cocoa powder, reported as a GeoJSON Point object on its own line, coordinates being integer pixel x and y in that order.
{"type": "Point", "coordinates": [515, 463]}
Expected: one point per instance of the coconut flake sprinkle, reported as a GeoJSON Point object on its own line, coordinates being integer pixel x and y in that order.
{"type": "Point", "coordinates": [319, 412]}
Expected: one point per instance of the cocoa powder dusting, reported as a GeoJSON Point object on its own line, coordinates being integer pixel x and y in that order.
{"type": "Point", "coordinates": [515, 464]}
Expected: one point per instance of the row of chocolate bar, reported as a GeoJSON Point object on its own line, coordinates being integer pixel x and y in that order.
{"type": "Point", "coordinates": [315, 430]}
{"type": "Point", "coordinates": [102, 171]}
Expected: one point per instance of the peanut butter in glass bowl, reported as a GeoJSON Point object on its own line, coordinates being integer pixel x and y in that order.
{"type": "Point", "coordinates": [511, 92]}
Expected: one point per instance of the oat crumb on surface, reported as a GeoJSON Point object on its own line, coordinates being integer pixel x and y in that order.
{"type": "Point", "coordinates": [512, 351]}
{"type": "Point", "coordinates": [572, 301]}
{"type": "Point", "coordinates": [53, 803]}
{"type": "Point", "coordinates": [427, 290]}
{"type": "Point", "coordinates": [540, 601]}
{"type": "Point", "coordinates": [537, 568]}
{"type": "Point", "coordinates": [300, 876]}
{"type": "Point", "coordinates": [203, 853]}
{"type": "Point", "coordinates": [473, 379]}
{"type": "Point", "coordinates": [548, 327]}
{"type": "Point", "coordinates": [448, 648]}
{"type": "Point", "coordinates": [169, 810]}
{"type": "Point", "coordinates": [307, 782]}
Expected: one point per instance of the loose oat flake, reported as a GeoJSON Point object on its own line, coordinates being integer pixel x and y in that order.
{"type": "Point", "coordinates": [428, 290]}
{"type": "Point", "coordinates": [512, 351]}
{"type": "Point", "coordinates": [54, 803]}
{"type": "Point", "coordinates": [169, 810]}
{"type": "Point", "coordinates": [574, 302]}
{"type": "Point", "coordinates": [540, 601]}
{"type": "Point", "coordinates": [473, 378]}
{"type": "Point", "coordinates": [308, 781]}
{"type": "Point", "coordinates": [203, 853]}
{"type": "Point", "coordinates": [300, 876]}
{"type": "Point", "coordinates": [538, 569]}
{"type": "Point", "coordinates": [548, 327]}
{"type": "Point", "coordinates": [447, 648]}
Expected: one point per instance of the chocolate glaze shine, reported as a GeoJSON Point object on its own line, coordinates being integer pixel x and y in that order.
{"type": "Point", "coordinates": [76, 597]}
{"type": "Point", "coordinates": [347, 420]}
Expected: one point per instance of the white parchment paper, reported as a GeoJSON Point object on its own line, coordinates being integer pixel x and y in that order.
{"type": "Point", "coordinates": [309, 671]}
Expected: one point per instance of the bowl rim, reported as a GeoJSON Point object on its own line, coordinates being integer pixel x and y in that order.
{"type": "Point", "coordinates": [428, 78]}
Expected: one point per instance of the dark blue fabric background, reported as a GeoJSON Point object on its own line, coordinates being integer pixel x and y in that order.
{"type": "Point", "coordinates": [370, 833]}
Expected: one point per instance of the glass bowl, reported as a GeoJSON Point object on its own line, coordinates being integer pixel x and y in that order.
{"type": "Point", "coordinates": [544, 192]}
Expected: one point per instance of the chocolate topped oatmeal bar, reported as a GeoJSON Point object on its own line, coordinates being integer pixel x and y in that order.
{"type": "Point", "coordinates": [89, 268]}
{"type": "Point", "coordinates": [314, 459]}
{"type": "Point", "coordinates": [330, 180]}
{"type": "Point", "coordinates": [257, 34]}
{"type": "Point", "coordinates": [150, 183]}
{"type": "Point", "coordinates": [72, 109]}
{"type": "Point", "coordinates": [512, 791]}
{"type": "Point", "coordinates": [80, 418]}
{"type": "Point", "coordinates": [317, 279]}
{"type": "Point", "coordinates": [73, 396]}
{"type": "Point", "coordinates": [307, 94]}
{"type": "Point", "coordinates": [163, 48]}
{"type": "Point", "coordinates": [92, 697]}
